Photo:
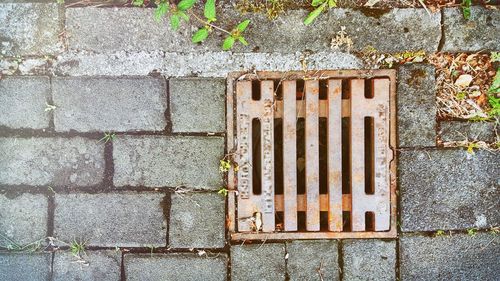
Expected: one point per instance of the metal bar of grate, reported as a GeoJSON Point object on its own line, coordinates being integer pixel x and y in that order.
{"type": "Point", "coordinates": [346, 188]}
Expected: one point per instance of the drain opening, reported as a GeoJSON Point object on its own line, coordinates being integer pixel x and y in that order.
{"type": "Point", "coordinates": [318, 155]}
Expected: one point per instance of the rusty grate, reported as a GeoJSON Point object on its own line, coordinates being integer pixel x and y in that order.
{"type": "Point", "coordinates": [314, 154]}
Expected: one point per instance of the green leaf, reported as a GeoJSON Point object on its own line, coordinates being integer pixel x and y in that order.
{"type": "Point", "coordinates": [243, 25]}
{"type": "Point", "coordinates": [314, 14]}
{"type": "Point", "coordinates": [466, 8]}
{"type": "Point", "coordinates": [138, 2]}
{"type": "Point", "coordinates": [209, 11]}
{"type": "Point", "coordinates": [332, 3]}
{"type": "Point", "coordinates": [186, 4]}
{"type": "Point", "coordinates": [315, 3]}
{"type": "Point", "coordinates": [161, 10]}
{"type": "Point", "coordinates": [200, 35]}
{"type": "Point", "coordinates": [175, 21]}
{"type": "Point", "coordinates": [183, 15]}
{"type": "Point", "coordinates": [228, 43]}
{"type": "Point", "coordinates": [243, 41]}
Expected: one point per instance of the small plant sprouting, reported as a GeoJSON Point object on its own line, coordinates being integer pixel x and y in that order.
{"type": "Point", "coordinates": [49, 107]}
{"type": "Point", "coordinates": [439, 233]}
{"type": "Point", "coordinates": [77, 248]}
{"type": "Point", "coordinates": [108, 137]}
{"type": "Point", "coordinates": [321, 5]}
{"type": "Point", "coordinates": [466, 8]}
{"type": "Point", "coordinates": [493, 96]}
{"type": "Point", "coordinates": [495, 56]}
{"type": "Point", "coordinates": [182, 11]}
{"type": "Point", "coordinates": [471, 232]}
{"type": "Point", "coordinates": [223, 191]}
{"type": "Point", "coordinates": [224, 165]}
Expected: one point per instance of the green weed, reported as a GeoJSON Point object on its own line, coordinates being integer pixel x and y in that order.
{"type": "Point", "coordinates": [493, 96]}
{"type": "Point", "coordinates": [321, 6]}
{"type": "Point", "coordinates": [49, 107]}
{"type": "Point", "coordinates": [466, 8]}
{"type": "Point", "coordinates": [495, 56]}
{"type": "Point", "coordinates": [439, 233]}
{"type": "Point", "coordinates": [471, 232]}
{"type": "Point", "coordinates": [223, 191]}
{"type": "Point", "coordinates": [108, 137]}
{"type": "Point", "coordinates": [77, 248]}
{"type": "Point", "coordinates": [11, 245]}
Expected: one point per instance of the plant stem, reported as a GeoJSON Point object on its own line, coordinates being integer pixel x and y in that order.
{"type": "Point", "coordinates": [209, 24]}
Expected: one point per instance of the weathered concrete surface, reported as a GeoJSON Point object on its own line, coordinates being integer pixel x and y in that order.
{"type": "Point", "coordinates": [197, 220]}
{"type": "Point", "coordinates": [448, 189]}
{"type": "Point", "coordinates": [23, 219]}
{"type": "Point", "coordinates": [416, 105]}
{"type": "Point", "coordinates": [369, 260]}
{"type": "Point", "coordinates": [157, 161]}
{"type": "Point", "coordinates": [264, 262]}
{"type": "Point", "coordinates": [456, 257]}
{"type": "Point", "coordinates": [51, 161]}
{"type": "Point", "coordinates": [93, 265]}
{"type": "Point", "coordinates": [208, 64]}
{"type": "Point", "coordinates": [479, 33]}
{"type": "Point", "coordinates": [111, 219]}
{"type": "Point", "coordinates": [313, 260]}
{"type": "Point", "coordinates": [23, 102]}
{"type": "Point", "coordinates": [403, 29]}
{"type": "Point", "coordinates": [197, 104]}
{"type": "Point", "coordinates": [179, 267]}
{"type": "Point", "coordinates": [25, 266]}
{"type": "Point", "coordinates": [109, 104]}
{"type": "Point", "coordinates": [29, 29]}
{"type": "Point", "coordinates": [472, 131]}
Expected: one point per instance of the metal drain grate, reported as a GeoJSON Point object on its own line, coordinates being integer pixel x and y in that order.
{"type": "Point", "coordinates": [314, 154]}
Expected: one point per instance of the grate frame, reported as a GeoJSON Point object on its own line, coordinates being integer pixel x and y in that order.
{"type": "Point", "coordinates": [231, 146]}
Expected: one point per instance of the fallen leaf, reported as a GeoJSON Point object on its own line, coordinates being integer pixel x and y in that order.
{"type": "Point", "coordinates": [370, 3]}
{"type": "Point", "coordinates": [463, 80]}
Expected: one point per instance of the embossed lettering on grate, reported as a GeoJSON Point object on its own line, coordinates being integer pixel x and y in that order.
{"type": "Point", "coordinates": [313, 152]}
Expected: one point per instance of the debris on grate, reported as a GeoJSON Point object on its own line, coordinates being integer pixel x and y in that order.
{"type": "Point", "coordinates": [314, 152]}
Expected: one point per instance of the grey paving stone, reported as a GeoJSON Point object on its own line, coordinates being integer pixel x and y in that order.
{"type": "Point", "coordinates": [208, 64]}
{"type": "Point", "coordinates": [456, 257]}
{"type": "Point", "coordinates": [111, 219]}
{"type": "Point", "coordinates": [369, 260]}
{"type": "Point", "coordinates": [197, 220]}
{"type": "Point", "coordinates": [93, 265]}
{"type": "Point", "coordinates": [479, 33]}
{"type": "Point", "coordinates": [448, 189]}
{"type": "Point", "coordinates": [403, 29]}
{"type": "Point", "coordinates": [258, 262]}
{"type": "Point", "coordinates": [157, 161]}
{"type": "Point", "coordinates": [416, 105]}
{"type": "Point", "coordinates": [23, 102]}
{"type": "Point", "coordinates": [23, 219]}
{"type": "Point", "coordinates": [25, 266]}
{"type": "Point", "coordinates": [472, 131]}
{"type": "Point", "coordinates": [313, 260]}
{"type": "Point", "coordinates": [197, 104]}
{"type": "Point", "coordinates": [89, 104]}
{"type": "Point", "coordinates": [29, 29]}
{"type": "Point", "coordinates": [51, 161]}
{"type": "Point", "coordinates": [175, 267]}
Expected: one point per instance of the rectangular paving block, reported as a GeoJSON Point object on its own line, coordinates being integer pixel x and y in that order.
{"type": "Point", "coordinates": [175, 266]}
{"type": "Point", "coordinates": [93, 265]}
{"type": "Point", "coordinates": [369, 259]}
{"type": "Point", "coordinates": [111, 219]}
{"type": "Point", "coordinates": [471, 131]}
{"type": "Point", "coordinates": [25, 266]}
{"type": "Point", "coordinates": [23, 219]}
{"type": "Point", "coordinates": [158, 161]}
{"type": "Point", "coordinates": [479, 33]}
{"type": "Point", "coordinates": [197, 220]}
{"type": "Point", "coordinates": [261, 261]}
{"type": "Point", "coordinates": [416, 105]}
{"type": "Point", "coordinates": [197, 104]}
{"type": "Point", "coordinates": [51, 161]}
{"type": "Point", "coordinates": [23, 101]}
{"type": "Point", "coordinates": [313, 260]}
{"type": "Point", "coordinates": [403, 29]}
{"type": "Point", "coordinates": [90, 104]}
{"type": "Point", "coordinates": [456, 257]}
{"type": "Point", "coordinates": [29, 29]}
{"type": "Point", "coordinates": [448, 189]}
